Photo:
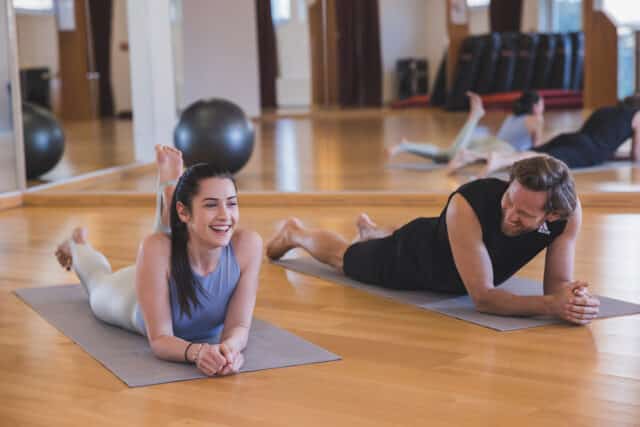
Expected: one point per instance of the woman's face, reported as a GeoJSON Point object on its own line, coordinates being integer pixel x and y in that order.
{"type": "Point", "coordinates": [214, 212]}
{"type": "Point", "coordinates": [538, 107]}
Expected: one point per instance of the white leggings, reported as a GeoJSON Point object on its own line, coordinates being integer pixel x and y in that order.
{"type": "Point", "coordinates": [466, 138]}
{"type": "Point", "coordinates": [112, 295]}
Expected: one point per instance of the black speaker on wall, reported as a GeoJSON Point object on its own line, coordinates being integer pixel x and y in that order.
{"type": "Point", "coordinates": [412, 76]}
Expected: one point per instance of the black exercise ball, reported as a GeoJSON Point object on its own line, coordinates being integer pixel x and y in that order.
{"type": "Point", "coordinates": [215, 131]}
{"type": "Point", "coordinates": [43, 140]}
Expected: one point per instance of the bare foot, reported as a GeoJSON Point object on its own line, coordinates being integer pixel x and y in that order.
{"type": "Point", "coordinates": [475, 103]}
{"type": "Point", "coordinates": [491, 166]}
{"type": "Point", "coordinates": [394, 150]}
{"type": "Point", "coordinates": [367, 229]}
{"type": "Point", "coordinates": [463, 158]}
{"type": "Point", "coordinates": [282, 241]}
{"type": "Point", "coordinates": [63, 252]}
{"type": "Point", "coordinates": [169, 162]}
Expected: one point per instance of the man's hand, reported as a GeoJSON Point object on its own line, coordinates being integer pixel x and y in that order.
{"type": "Point", "coordinates": [573, 303]}
{"type": "Point", "coordinates": [234, 359]}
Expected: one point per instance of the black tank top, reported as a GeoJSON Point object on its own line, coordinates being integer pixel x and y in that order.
{"type": "Point", "coordinates": [508, 254]}
{"type": "Point", "coordinates": [609, 127]}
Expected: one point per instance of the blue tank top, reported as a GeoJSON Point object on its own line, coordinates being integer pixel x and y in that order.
{"type": "Point", "coordinates": [206, 321]}
{"type": "Point", "coordinates": [515, 132]}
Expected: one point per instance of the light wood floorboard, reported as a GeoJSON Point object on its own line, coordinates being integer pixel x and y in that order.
{"type": "Point", "coordinates": [325, 151]}
{"type": "Point", "coordinates": [401, 365]}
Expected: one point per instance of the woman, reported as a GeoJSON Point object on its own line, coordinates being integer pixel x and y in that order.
{"type": "Point", "coordinates": [196, 284]}
{"type": "Point", "coordinates": [596, 142]}
{"type": "Point", "coordinates": [520, 131]}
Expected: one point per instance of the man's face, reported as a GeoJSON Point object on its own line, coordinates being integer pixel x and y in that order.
{"type": "Point", "coordinates": [522, 209]}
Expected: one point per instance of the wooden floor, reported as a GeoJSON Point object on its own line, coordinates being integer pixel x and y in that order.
{"type": "Point", "coordinates": [90, 146]}
{"type": "Point", "coordinates": [401, 365]}
{"type": "Point", "coordinates": [323, 152]}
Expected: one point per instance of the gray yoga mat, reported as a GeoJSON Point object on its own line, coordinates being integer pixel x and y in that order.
{"type": "Point", "coordinates": [459, 307]}
{"type": "Point", "coordinates": [425, 165]}
{"type": "Point", "coordinates": [128, 355]}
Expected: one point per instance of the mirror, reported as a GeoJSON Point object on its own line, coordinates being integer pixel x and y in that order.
{"type": "Point", "coordinates": [9, 174]}
{"type": "Point", "coordinates": [73, 58]}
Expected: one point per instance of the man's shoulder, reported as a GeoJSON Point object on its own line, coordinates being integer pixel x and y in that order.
{"type": "Point", "coordinates": [482, 188]}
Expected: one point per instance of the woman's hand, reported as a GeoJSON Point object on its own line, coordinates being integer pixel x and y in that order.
{"type": "Point", "coordinates": [234, 358]}
{"type": "Point", "coordinates": [210, 360]}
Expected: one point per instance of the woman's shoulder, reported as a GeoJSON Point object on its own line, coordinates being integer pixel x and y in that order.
{"type": "Point", "coordinates": [156, 244]}
{"type": "Point", "coordinates": [247, 246]}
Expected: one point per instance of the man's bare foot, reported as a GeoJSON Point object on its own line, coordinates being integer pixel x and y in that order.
{"type": "Point", "coordinates": [491, 166]}
{"type": "Point", "coordinates": [462, 158]}
{"type": "Point", "coordinates": [63, 252]}
{"type": "Point", "coordinates": [282, 241]}
{"type": "Point", "coordinates": [169, 162]}
{"type": "Point", "coordinates": [367, 229]}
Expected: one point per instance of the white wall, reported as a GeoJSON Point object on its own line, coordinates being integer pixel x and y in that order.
{"type": "Point", "coordinates": [534, 16]}
{"type": "Point", "coordinates": [38, 42]}
{"type": "Point", "coordinates": [11, 154]}
{"type": "Point", "coordinates": [293, 84]}
{"type": "Point", "coordinates": [120, 64]}
{"type": "Point", "coordinates": [403, 33]}
{"type": "Point", "coordinates": [479, 20]}
{"type": "Point", "coordinates": [153, 92]}
{"type": "Point", "coordinates": [435, 21]}
{"type": "Point", "coordinates": [6, 124]}
{"type": "Point", "coordinates": [220, 52]}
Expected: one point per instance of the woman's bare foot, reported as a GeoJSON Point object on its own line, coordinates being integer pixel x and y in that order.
{"type": "Point", "coordinates": [282, 241]}
{"type": "Point", "coordinates": [395, 149]}
{"type": "Point", "coordinates": [169, 162]}
{"type": "Point", "coordinates": [170, 166]}
{"type": "Point", "coordinates": [475, 104]}
{"type": "Point", "coordinates": [63, 252]}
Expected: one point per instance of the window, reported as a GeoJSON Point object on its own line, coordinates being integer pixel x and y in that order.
{"type": "Point", "coordinates": [280, 10]}
{"type": "Point", "coordinates": [478, 3]}
{"type": "Point", "coordinates": [33, 6]}
{"type": "Point", "coordinates": [623, 12]}
{"type": "Point", "coordinates": [626, 62]}
{"type": "Point", "coordinates": [566, 16]}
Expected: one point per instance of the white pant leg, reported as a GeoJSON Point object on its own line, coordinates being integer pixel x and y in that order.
{"type": "Point", "coordinates": [112, 296]}
{"type": "Point", "coordinates": [158, 226]}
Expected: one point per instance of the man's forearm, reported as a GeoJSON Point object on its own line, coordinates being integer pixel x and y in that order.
{"type": "Point", "coordinates": [497, 301]}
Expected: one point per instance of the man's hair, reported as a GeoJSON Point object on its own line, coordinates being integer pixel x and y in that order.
{"type": "Point", "coordinates": [544, 173]}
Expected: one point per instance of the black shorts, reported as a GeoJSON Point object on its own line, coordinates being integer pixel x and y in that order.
{"type": "Point", "coordinates": [370, 262]}
{"type": "Point", "coordinates": [401, 261]}
{"type": "Point", "coordinates": [576, 150]}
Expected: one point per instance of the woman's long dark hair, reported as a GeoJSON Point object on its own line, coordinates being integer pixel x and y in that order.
{"type": "Point", "coordinates": [188, 185]}
{"type": "Point", "coordinates": [524, 104]}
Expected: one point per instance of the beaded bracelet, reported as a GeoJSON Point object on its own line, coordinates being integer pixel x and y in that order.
{"type": "Point", "coordinates": [186, 350]}
{"type": "Point", "coordinates": [198, 354]}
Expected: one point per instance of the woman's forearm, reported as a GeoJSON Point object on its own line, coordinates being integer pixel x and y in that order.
{"type": "Point", "coordinates": [236, 338]}
{"type": "Point", "coordinates": [172, 348]}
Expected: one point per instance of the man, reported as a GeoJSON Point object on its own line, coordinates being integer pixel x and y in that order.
{"type": "Point", "coordinates": [488, 230]}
